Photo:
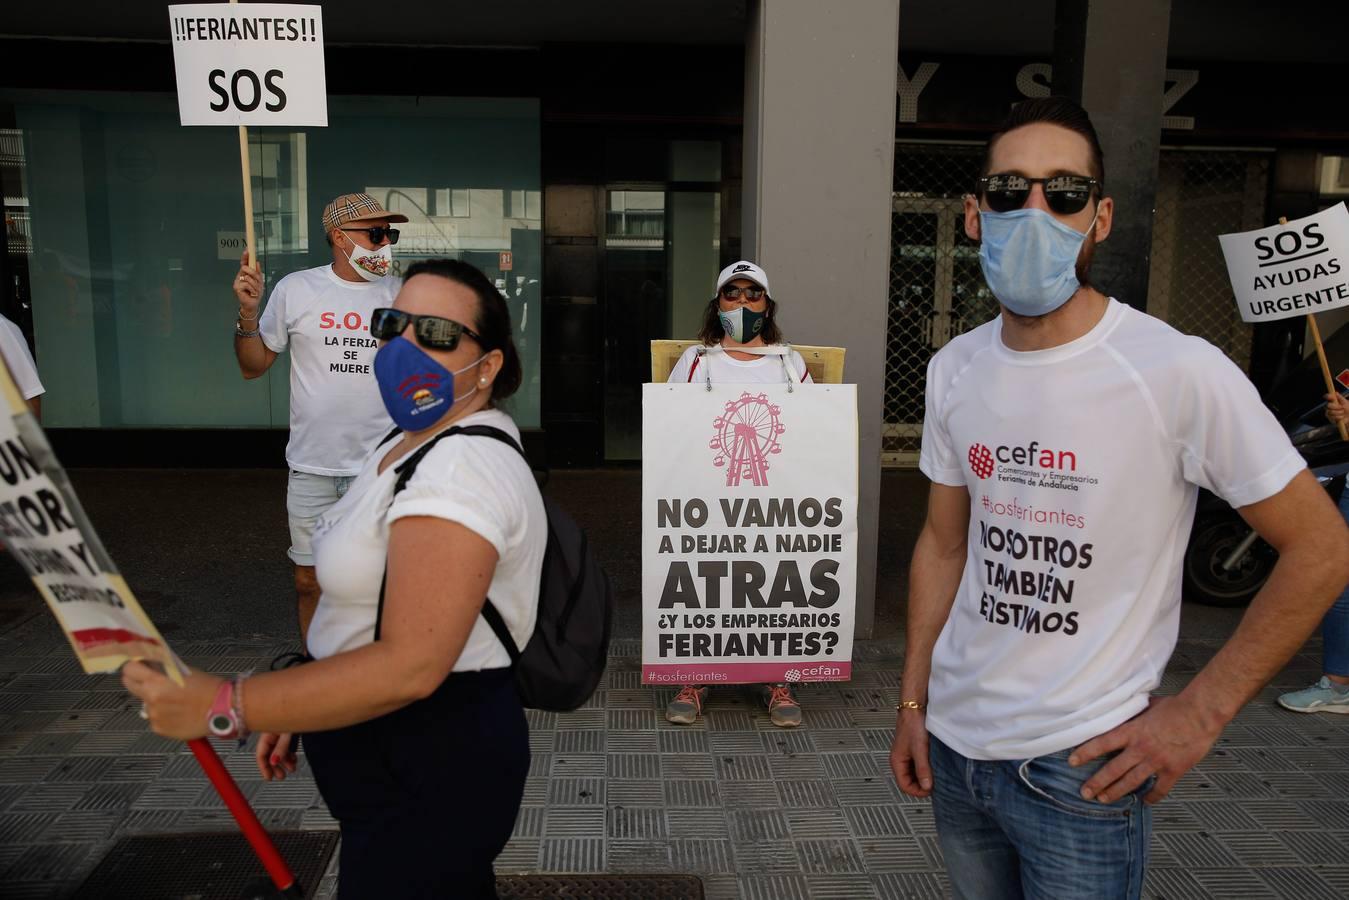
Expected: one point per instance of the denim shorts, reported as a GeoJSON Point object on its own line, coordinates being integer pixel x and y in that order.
{"type": "Point", "coordinates": [1018, 829]}
{"type": "Point", "coordinates": [309, 496]}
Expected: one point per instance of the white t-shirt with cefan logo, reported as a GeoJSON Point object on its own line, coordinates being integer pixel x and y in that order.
{"type": "Point", "coordinates": [1083, 464]}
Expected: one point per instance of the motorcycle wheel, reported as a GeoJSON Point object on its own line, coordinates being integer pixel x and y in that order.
{"type": "Point", "coordinates": [1211, 542]}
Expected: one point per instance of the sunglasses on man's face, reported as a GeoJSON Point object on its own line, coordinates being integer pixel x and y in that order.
{"type": "Point", "coordinates": [434, 332]}
{"type": "Point", "coordinates": [1064, 194]}
{"type": "Point", "coordinates": [750, 293]}
{"type": "Point", "coordinates": [378, 233]}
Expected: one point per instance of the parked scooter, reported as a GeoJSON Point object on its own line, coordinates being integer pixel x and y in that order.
{"type": "Point", "coordinates": [1226, 563]}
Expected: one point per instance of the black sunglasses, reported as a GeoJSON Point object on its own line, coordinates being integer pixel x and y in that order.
{"type": "Point", "coordinates": [1065, 194]}
{"type": "Point", "coordinates": [435, 332]}
{"type": "Point", "coordinates": [378, 233]}
{"type": "Point", "coordinates": [750, 293]}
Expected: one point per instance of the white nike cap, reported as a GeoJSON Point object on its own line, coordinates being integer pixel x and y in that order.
{"type": "Point", "coordinates": [744, 269]}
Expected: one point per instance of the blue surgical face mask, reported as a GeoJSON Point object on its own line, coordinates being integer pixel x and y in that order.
{"type": "Point", "coordinates": [1029, 259]}
{"type": "Point", "coordinates": [742, 324]}
{"type": "Point", "coordinates": [417, 391]}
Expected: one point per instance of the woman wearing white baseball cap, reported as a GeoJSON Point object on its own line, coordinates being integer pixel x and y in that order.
{"type": "Point", "coordinates": [741, 344]}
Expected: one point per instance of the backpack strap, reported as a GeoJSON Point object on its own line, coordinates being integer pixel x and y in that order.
{"type": "Point", "coordinates": [405, 470]}
{"type": "Point", "coordinates": [493, 617]}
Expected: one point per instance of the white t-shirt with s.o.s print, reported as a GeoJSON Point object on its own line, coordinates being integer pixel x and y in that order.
{"type": "Point", "coordinates": [336, 414]}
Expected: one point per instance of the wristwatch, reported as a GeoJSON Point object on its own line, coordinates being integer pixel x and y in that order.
{"type": "Point", "coordinates": [224, 720]}
{"type": "Point", "coordinates": [239, 330]}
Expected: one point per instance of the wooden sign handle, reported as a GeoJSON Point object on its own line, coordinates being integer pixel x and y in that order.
{"type": "Point", "coordinates": [245, 165]}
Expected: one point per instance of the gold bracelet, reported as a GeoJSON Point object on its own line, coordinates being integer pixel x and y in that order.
{"type": "Point", "coordinates": [252, 318]}
{"type": "Point", "coordinates": [911, 704]}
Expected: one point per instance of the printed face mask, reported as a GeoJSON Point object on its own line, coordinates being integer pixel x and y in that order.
{"type": "Point", "coordinates": [417, 391]}
{"type": "Point", "coordinates": [372, 265]}
{"type": "Point", "coordinates": [742, 324]}
{"type": "Point", "coordinates": [1029, 259]}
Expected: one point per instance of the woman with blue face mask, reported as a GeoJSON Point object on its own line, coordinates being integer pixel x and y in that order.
{"type": "Point", "coordinates": [740, 344]}
{"type": "Point", "coordinates": [409, 710]}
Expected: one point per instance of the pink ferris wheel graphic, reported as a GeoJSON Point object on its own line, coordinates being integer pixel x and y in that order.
{"type": "Point", "coordinates": [746, 435]}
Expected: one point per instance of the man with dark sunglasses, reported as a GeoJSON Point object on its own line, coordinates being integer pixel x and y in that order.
{"type": "Point", "coordinates": [1066, 441]}
{"type": "Point", "coordinates": [323, 316]}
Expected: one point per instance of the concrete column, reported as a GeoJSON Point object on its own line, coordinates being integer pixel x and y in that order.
{"type": "Point", "coordinates": [819, 168]}
{"type": "Point", "coordinates": [1110, 56]}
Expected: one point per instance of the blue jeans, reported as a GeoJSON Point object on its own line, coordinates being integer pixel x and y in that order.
{"type": "Point", "coordinates": [1014, 829]}
{"type": "Point", "coordinates": [1335, 626]}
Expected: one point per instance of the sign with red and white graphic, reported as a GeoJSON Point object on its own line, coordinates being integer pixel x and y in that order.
{"type": "Point", "coordinates": [505, 261]}
{"type": "Point", "coordinates": [1291, 269]}
{"type": "Point", "coordinates": [744, 435]}
{"type": "Point", "coordinates": [749, 533]}
{"type": "Point", "coordinates": [44, 528]}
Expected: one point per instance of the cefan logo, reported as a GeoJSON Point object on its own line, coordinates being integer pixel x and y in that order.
{"type": "Point", "coordinates": [983, 461]}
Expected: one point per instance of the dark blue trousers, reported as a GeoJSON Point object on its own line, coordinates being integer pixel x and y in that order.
{"type": "Point", "coordinates": [427, 795]}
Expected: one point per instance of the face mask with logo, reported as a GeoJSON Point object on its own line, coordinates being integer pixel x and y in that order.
{"type": "Point", "coordinates": [372, 265]}
{"type": "Point", "coordinates": [1029, 259]}
{"type": "Point", "coordinates": [417, 391]}
{"type": "Point", "coordinates": [742, 324]}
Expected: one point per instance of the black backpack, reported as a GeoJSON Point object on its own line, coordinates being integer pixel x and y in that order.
{"type": "Point", "coordinates": [564, 660]}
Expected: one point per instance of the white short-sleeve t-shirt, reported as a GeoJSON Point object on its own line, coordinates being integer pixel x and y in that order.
{"type": "Point", "coordinates": [336, 414]}
{"type": "Point", "coordinates": [478, 482]}
{"type": "Point", "coordinates": [1083, 463]}
{"type": "Point", "coordinates": [777, 363]}
{"type": "Point", "coordinates": [14, 348]}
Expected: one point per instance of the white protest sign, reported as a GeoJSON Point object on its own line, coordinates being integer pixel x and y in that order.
{"type": "Point", "coordinates": [749, 533]}
{"type": "Point", "coordinates": [249, 64]}
{"type": "Point", "coordinates": [44, 527]}
{"type": "Point", "coordinates": [1291, 269]}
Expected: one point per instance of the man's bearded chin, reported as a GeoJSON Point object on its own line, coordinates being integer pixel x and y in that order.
{"type": "Point", "coordinates": [1084, 256]}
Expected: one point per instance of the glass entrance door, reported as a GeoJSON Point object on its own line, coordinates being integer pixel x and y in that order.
{"type": "Point", "coordinates": [661, 254]}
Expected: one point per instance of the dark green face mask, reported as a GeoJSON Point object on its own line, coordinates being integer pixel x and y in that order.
{"type": "Point", "coordinates": [742, 324]}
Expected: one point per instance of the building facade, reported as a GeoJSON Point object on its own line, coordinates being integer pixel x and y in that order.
{"type": "Point", "coordinates": [603, 159]}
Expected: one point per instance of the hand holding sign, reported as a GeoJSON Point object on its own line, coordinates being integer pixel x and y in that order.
{"type": "Point", "coordinates": [248, 287]}
{"type": "Point", "coordinates": [1292, 269]}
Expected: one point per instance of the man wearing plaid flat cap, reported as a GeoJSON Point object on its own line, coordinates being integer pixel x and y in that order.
{"type": "Point", "coordinates": [322, 316]}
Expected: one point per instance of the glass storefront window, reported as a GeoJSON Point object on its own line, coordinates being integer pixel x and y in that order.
{"type": "Point", "coordinates": [132, 231]}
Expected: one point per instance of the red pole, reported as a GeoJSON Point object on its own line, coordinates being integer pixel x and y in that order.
{"type": "Point", "coordinates": [257, 836]}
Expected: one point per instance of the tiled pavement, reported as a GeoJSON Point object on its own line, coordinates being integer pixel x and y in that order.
{"type": "Point", "coordinates": [758, 812]}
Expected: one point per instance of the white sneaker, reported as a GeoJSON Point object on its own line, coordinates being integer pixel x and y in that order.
{"type": "Point", "coordinates": [1320, 697]}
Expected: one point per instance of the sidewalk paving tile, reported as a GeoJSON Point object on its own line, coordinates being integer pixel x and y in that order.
{"type": "Point", "coordinates": [755, 811]}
